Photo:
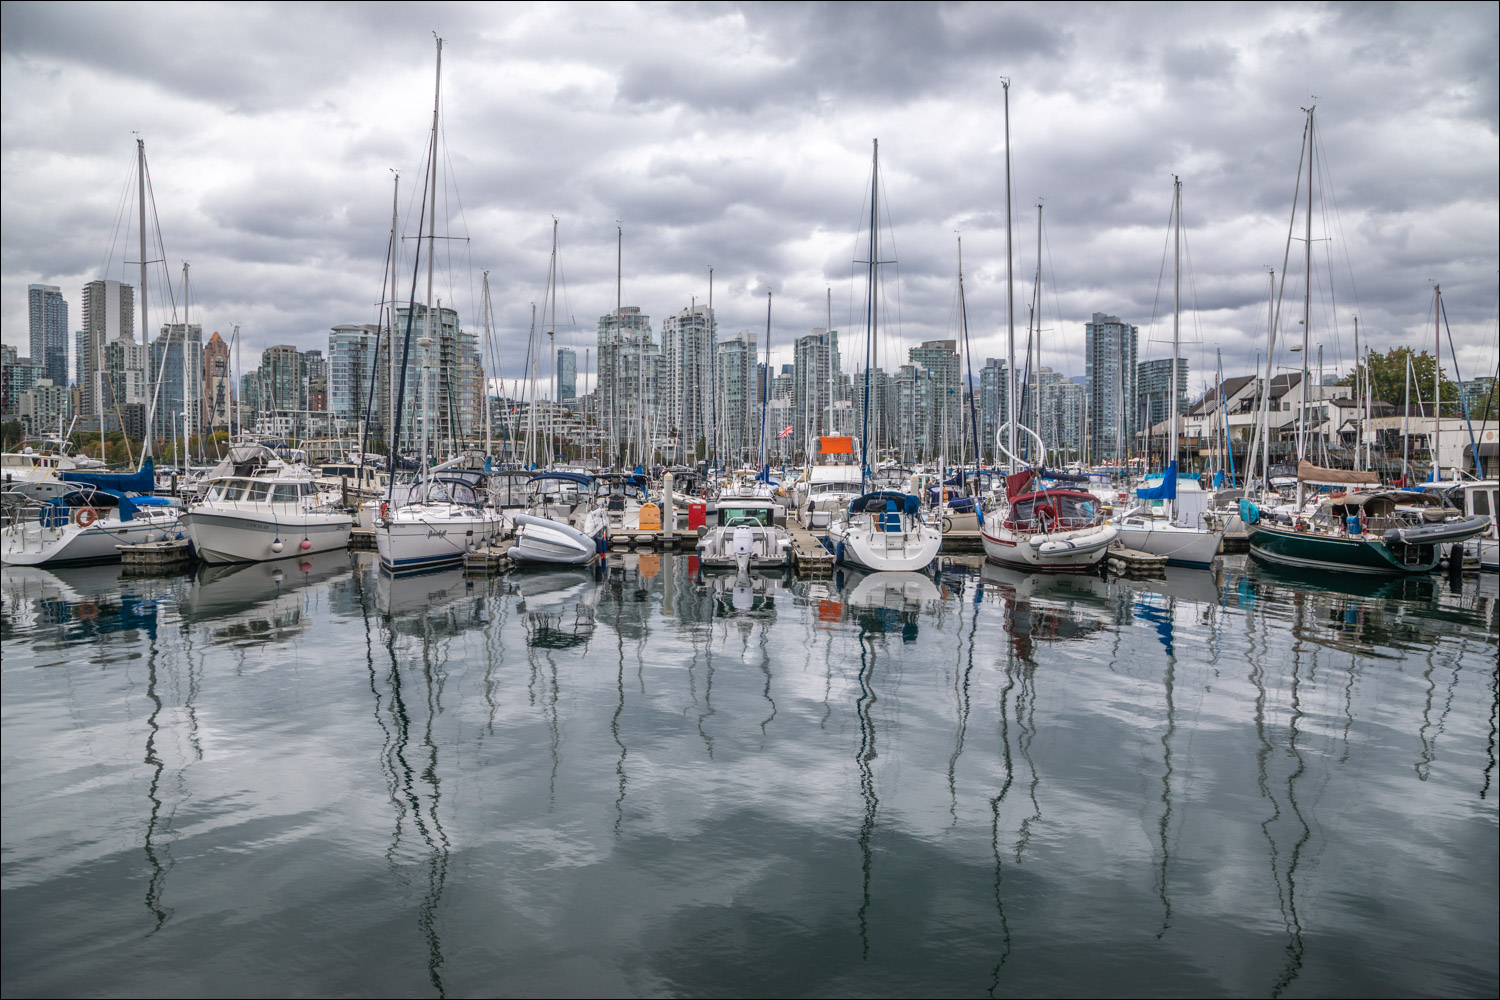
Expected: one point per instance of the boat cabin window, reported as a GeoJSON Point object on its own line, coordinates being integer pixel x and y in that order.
{"type": "Point", "coordinates": [1480, 501]}
{"type": "Point", "coordinates": [732, 516]}
{"type": "Point", "coordinates": [234, 489]}
{"type": "Point", "coordinates": [256, 492]}
{"type": "Point", "coordinates": [286, 493]}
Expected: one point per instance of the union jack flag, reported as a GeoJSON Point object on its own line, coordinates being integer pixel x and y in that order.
{"type": "Point", "coordinates": [785, 431]}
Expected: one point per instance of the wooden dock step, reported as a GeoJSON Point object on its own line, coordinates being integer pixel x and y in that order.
{"type": "Point", "coordinates": [1124, 560]}
{"type": "Point", "coordinates": [809, 556]}
{"type": "Point", "coordinates": [151, 557]}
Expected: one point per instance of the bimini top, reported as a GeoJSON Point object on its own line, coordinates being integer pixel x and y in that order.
{"type": "Point", "coordinates": [567, 477]}
{"type": "Point", "coordinates": [875, 503]}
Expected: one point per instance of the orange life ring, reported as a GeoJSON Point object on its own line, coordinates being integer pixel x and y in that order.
{"type": "Point", "coordinates": [85, 516]}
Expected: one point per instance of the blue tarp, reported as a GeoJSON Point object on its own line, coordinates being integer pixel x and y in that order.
{"type": "Point", "coordinates": [876, 502]}
{"type": "Point", "coordinates": [1166, 491]}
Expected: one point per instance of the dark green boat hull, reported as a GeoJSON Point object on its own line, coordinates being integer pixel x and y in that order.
{"type": "Point", "coordinates": [1368, 554]}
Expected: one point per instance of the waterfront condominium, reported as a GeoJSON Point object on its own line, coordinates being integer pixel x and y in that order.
{"type": "Point", "coordinates": [49, 331]}
{"type": "Point", "coordinates": [1110, 370]}
{"type": "Point", "coordinates": [108, 315]}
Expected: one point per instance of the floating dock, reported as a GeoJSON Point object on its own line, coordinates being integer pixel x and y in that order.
{"type": "Point", "coordinates": [155, 557]}
{"type": "Point", "coordinates": [1123, 560]}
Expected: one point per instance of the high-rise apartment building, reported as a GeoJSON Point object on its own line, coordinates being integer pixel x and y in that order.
{"type": "Point", "coordinates": [687, 348]}
{"type": "Point", "coordinates": [1110, 369]}
{"type": "Point", "coordinates": [814, 392]}
{"type": "Point", "coordinates": [108, 315]}
{"type": "Point", "coordinates": [49, 331]}
{"type": "Point", "coordinates": [352, 361]}
{"type": "Point", "coordinates": [938, 418]}
{"type": "Point", "coordinates": [1153, 382]}
{"type": "Point", "coordinates": [993, 406]}
{"type": "Point", "coordinates": [738, 402]}
{"type": "Point", "coordinates": [177, 354]}
{"type": "Point", "coordinates": [629, 368]}
{"type": "Point", "coordinates": [567, 374]}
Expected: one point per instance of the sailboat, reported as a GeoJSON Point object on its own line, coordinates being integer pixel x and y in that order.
{"type": "Point", "coordinates": [438, 522]}
{"type": "Point", "coordinates": [1183, 533]}
{"type": "Point", "coordinates": [884, 529]}
{"type": "Point", "coordinates": [93, 513]}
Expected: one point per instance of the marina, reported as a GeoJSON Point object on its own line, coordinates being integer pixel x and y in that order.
{"type": "Point", "coordinates": [306, 776]}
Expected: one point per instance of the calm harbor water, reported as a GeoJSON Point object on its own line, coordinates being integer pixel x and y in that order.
{"type": "Point", "coordinates": [309, 778]}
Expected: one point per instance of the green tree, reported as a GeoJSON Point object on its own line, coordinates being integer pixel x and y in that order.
{"type": "Point", "coordinates": [1388, 382]}
{"type": "Point", "coordinates": [13, 433]}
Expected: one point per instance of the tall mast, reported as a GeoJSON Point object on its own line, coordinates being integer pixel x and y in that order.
{"type": "Point", "coordinates": [1010, 297]}
{"type": "Point", "coordinates": [431, 225]}
{"type": "Point", "coordinates": [1167, 505]}
{"type": "Point", "coordinates": [140, 172]}
{"type": "Point", "coordinates": [485, 372]}
{"type": "Point", "coordinates": [185, 382]}
{"type": "Point", "coordinates": [870, 311]}
{"type": "Point", "coordinates": [390, 313]}
{"type": "Point", "coordinates": [1036, 366]}
{"type": "Point", "coordinates": [765, 386]}
{"type": "Point", "coordinates": [1306, 307]}
{"type": "Point", "coordinates": [552, 352]}
{"type": "Point", "coordinates": [1437, 383]}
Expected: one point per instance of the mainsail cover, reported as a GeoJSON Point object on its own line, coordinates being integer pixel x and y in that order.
{"type": "Point", "coordinates": [1319, 476]}
{"type": "Point", "coordinates": [1166, 491]}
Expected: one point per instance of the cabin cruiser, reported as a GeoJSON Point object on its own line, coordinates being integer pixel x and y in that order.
{"type": "Point", "coordinates": [832, 482]}
{"type": "Point", "coordinates": [33, 475]}
{"type": "Point", "coordinates": [275, 514]}
{"type": "Point", "coordinates": [882, 531]}
{"type": "Point", "coordinates": [1041, 528]}
{"type": "Point", "coordinates": [749, 532]}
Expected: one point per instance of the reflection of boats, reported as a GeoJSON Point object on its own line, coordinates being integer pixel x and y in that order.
{"type": "Point", "coordinates": [416, 592]}
{"type": "Point", "coordinates": [1182, 583]}
{"type": "Point", "coordinates": [891, 590]}
{"type": "Point", "coordinates": [1049, 607]}
{"type": "Point", "coordinates": [228, 589]}
{"type": "Point", "coordinates": [558, 606]}
{"type": "Point", "coordinates": [746, 594]}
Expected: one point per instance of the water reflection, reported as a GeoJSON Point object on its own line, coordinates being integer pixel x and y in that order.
{"type": "Point", "coordinates": [678, 776]}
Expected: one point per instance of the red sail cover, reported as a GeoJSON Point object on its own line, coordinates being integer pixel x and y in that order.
{"type": "Point", "coordinates": [1018, 483]}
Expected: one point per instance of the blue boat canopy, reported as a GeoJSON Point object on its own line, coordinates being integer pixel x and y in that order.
{"type": "Point", "coordinates": [143, 480]}
{"type": "Point", "coordinates": [568, 477]}
{"type": "Point", "coordinates": [875, 503]}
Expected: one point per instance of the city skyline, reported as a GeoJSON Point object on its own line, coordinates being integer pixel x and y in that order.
{"type": "Point", "coordinates": [748, 153]}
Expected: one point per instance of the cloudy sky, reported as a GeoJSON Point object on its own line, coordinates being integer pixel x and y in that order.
{"type": "Point", "coordinates": [738, 137]}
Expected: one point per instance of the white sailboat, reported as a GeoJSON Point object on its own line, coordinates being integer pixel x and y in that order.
{"type": "Point", "coordinates": [881, 530]}
{"type": "Point", "coordinates": [437, 524]}
{"type": "Point", "coordinates": [1184, 533]}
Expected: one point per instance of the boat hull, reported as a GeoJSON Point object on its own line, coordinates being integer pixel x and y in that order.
{"type": "Point", "coordinates": [259, 536]}
{"type": "Point", "coordinates": [1365, 554]}
{"type": "Point", "coordinates": [30, 544]}
{"type": "Point", "coordinates": [885, 551]}
{"type": "Point", "coordinates": [430, 536]}
{"type": "Point", "coordinates": [1183, 546]}
{"type": "Point", "coordinates": [545, 541]}
{"type": "Point", "coordinates": [1058, 552]}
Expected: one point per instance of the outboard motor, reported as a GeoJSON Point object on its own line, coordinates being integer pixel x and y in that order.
{"type": "Point", "coordinates": [744, 547]}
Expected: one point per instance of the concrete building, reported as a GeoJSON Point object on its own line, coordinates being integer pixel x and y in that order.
{"type": "Point", "coordinates": [1153, 382]}
{"type": "Point", "coordinates": [352, 362]}
{"type": "Point", "coordinates": [1110, 368]}
{"type": "Point", "coordinates": [939, 414]}
{"type": "Point", "coordinates": [218, 389]}
{"type": "Point", "coordinates": [737, 402]}
{"type": "Point", "coordinates": [817, 366]}
{"type": "Point", "coordinates": [44, 407]}
{"type": "Point", "coordinates": [178, 355]}
{"type": "Point", "coordinates": [49, 331]}
{"type": "Point", "coordinates": [629, 363]}
{"type": "Point", "coordinates": [994, 391]}
{"type": "Point", "coordinates": [688, 353]}
{"type": "Point", "coordinates": [108, 316]}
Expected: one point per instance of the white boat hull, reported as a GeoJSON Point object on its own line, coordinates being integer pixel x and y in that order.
{"type": "Point", "coordinates": [858, 543]}
{"type": "Point", "coordinates": [745, 547]}
{"type": "Point", "coordinates": [1183, 546]}
{"type": "Point", "coordinates": [28, 543]}
{"type": "Point", "coordinates": [424, 536]}
{"type": "Point", "coordinates": [256, 534]}
{"type": "Point", "coordinates": [1059, 551]}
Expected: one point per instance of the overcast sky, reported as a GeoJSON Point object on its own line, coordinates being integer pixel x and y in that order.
{"type": "Point", "coordinates": [738, 137]}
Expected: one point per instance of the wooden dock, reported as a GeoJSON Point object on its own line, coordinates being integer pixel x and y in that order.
{"type": "Point", "coordinates": [1124, 560]}
{"type": "Point", "coordinates": [809, 556]}
{"type": "Point", "coordinates": [491, 558]}
{"type": "Point", "coordinates": [959, 542]}
{"type": "Point", "coordinates": [155, 557]}
{"type": "Point", "coordinates": [361, 540]}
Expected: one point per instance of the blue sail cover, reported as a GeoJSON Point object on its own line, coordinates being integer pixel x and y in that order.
{"type": "Point", "coordinates": [1166, 491]}
{"type": "Point", "coordinates": [143, 480]}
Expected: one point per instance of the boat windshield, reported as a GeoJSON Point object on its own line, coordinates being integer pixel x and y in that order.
{"type": "Point", "coordinates": [1053, 511]}
{"type": "Point", "coordinates": [734, 516]}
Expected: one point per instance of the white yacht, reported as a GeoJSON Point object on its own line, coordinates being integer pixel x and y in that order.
{"type": "Point", "coordinates": [831, 484]}
{"type": "Point", "coordinates": [269, 516]}
{"type": "Point", "coordinates": [561, 524]}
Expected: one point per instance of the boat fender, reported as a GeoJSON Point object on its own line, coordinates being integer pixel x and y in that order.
{"type": "Point", "coordinates": [85, 516]}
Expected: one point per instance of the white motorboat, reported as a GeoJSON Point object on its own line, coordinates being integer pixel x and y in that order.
{"type": "Point", "coordinates": [749, 532]}
{"type": "Point", "coordinates": [884, 531]}
{"type": "Point", "coordinates": [561, 525]}
{"type": "Point", "coordinates": [86, 525]}
{"type": "Point", "coordinates": [831, 484]}
{"type": "Point", "coordinates": [270, 516]}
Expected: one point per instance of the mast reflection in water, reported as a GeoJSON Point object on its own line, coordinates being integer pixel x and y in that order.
{"type": "Point", "coordinates": [640, 780]}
